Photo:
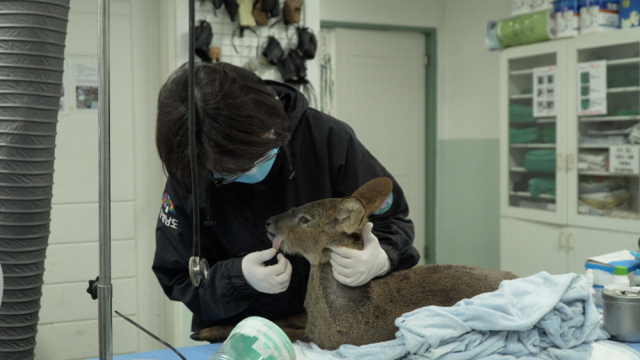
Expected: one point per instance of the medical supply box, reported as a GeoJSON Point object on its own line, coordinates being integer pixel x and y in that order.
{"type": "Point", "coordinates": [599, 15]}
{"type": "Point", "coordinates": [629, 13]}
{"type": "Point", "coordinates": [603, 266]}
{"type": "Point", "coordinates": [567, 18]}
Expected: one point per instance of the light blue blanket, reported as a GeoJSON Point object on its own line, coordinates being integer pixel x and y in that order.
{"type": "Point", "coordinates": [538, 317]}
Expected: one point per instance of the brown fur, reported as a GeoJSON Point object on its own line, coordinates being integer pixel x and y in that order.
{"type": "Point", "coordinates": [340, 314]}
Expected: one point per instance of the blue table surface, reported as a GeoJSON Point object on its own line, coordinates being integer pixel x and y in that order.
{"type": "Point", "coordinates": [198, 352]}
{"type": "Point", "coordinates": [204, 352]}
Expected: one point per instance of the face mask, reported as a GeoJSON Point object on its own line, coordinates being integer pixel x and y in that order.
{"type": "Point", "coordinates": [258, 172]}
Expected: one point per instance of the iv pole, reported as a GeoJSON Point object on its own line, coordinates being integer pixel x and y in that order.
{"type": "Point", "coordinates": [104, 287]}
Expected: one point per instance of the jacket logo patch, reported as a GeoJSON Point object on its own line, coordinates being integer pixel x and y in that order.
{"type": "Point", "coordinates": [167, 204]}
{"type": "Point", "coordinates": [386, 206]}
{"type": "Point", "coordinates": [167, 208]}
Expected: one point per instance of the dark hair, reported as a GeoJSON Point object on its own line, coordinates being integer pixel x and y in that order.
{"type": "Point", "coordinates": [235, 116]}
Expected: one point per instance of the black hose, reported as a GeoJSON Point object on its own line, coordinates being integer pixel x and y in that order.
{"type": "Point", "coordinates": [32, 42]}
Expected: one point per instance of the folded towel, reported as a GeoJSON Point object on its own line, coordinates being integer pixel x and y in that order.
{"type": "Point", "coordinates": [538, 317]}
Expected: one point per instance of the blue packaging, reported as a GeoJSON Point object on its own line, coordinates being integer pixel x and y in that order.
{"type": "Point", "coordinates": [567, 18]}
{"type": "Point", "coordinates": [599, 15]}
{"type": "Point", "coordinates": [629, 13]}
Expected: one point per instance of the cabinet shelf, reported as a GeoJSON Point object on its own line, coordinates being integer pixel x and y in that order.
{"type": "Point", "coordinates": [521, 96]}
{"type": "Point", "coordinates": [549, 120]}
{"type": "Point", "coordinates": [623, 89]}
{"type": "Point", "coordinates": [606, 173]}
{"type": "Point", "coordinates": [602, 146]}
{"type": "Point", "coordinates": [609, 118]}
{"type": "Point", "coordinates": [528, 194]}
{"type": "Point", "coordinates": [629, 61]}
{"type": "Point", "coordinates": [533, 146]}
{"type": "Point", "coordinates": [521, 72]}
{"type": "Point", "coordinates": [523, 170]}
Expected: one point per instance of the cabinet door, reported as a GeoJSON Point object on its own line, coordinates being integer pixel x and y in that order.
{"type": "Point", "coordinates": [584, 243]}
{"type": "Point", "coordinates": [533, 132]}
{"type": "Point", "coordinates": [528, 247]}
{"type": "Point", "coordinates": [604, 114]}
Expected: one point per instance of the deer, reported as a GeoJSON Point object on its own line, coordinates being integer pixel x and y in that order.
{"type": "Point", "coordinates": [338, 314]}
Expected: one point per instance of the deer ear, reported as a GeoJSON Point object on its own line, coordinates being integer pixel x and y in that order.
{"type": "Point", "coordinates": [350, 215]}
{"type": "Point", "coordinates": [374, 193]}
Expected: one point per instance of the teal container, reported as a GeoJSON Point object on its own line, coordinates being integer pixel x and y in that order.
{"type": "Point", "coordinates": [256, 338]}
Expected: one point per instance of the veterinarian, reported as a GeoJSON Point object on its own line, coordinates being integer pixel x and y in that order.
{"type": "Point", "coordinates": [261, 151]}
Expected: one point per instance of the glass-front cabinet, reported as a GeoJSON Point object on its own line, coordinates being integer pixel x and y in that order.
{"type": "Point", "coordinates": [532, 102]}
{"type": "Point", "coordinates": [570, 131]}
{"type": "Point", "coordinates": [604, 131]}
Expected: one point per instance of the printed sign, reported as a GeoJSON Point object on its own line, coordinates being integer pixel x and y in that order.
{"type": "Point", "coordinates": [86, 86]}
{"type": "Point", "coordinates": [624, 159]}
{"type": "Point", "coordinates": [592, 87]}
{"type": "Point", "coordinates": [544, 91]}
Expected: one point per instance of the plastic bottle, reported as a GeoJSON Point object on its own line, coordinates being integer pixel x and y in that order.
{"type": "Point", "coordinates": [590, 280]}
{"type": "Point", "coordinates": [636, 278]}
{"type": "Point", "coordinates": [620, 276]}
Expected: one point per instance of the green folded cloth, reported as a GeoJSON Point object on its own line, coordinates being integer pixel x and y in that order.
{"type": "Point", "coordinates": [542, 185]}
{"type": "Point", "coordinates": [543, 160]}
{"type": "Point", "coordinates": [549, 133]}
{"type": "Point", "coordinates": [624, 112]}
{"type": "Point", "coordinates": [623, 76]}
{"type": "Point", "coordinates": [520, 113]}
{"type": "Point", "coordinates": [526, 135]}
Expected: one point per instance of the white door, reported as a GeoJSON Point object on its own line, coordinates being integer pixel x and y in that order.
{"type": "Point", "coordinates": [380, 92]}
{"type": "Point", "coordinates": [68, 326]}
{"type": "Point", "coordinates": [529, 247]}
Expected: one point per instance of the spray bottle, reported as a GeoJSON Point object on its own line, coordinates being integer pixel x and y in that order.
{"type": "Point", "coordinates": [620, 276]}
{"type": "Point", "coordinates": [636, 278]}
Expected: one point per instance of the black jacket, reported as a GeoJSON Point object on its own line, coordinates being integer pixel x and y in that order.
{"type": "Point", "coordinates": [326, 160]}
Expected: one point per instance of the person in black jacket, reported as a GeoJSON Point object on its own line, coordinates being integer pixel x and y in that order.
{"type": "Point", "coordinates": [261, 151]}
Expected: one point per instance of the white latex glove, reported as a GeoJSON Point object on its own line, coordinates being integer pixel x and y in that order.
{"type": "Point", "coordinates": [357, 267]}
{"type": "Point", "coordinates": [267, 279]}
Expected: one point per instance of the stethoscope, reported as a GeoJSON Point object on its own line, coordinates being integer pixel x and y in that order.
{"type": "Point", "coordinates": [198, 267]}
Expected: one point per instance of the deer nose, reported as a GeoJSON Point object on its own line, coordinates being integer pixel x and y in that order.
{"type": "Point", "coordinates": [268, 223]}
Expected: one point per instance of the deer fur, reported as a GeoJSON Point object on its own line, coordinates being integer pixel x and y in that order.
{"type": "Point", "coordinates": [340, 314]}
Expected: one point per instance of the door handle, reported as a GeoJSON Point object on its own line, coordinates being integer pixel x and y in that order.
{"type": "Point", "coordinates": [570, 161]}
{"type": "Point", "coordinates": [561, 239]}
{"type": "Point", "coordinates": [559, 161]}
{"type": "Point", "coordinates": [570, 240]}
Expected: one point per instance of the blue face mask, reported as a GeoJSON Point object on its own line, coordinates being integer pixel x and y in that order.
{"type": "Point", "coordinates": [257, 173]}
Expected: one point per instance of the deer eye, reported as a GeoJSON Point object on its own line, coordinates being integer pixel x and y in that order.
{"type": "Point", "coordinates": [303, 220]}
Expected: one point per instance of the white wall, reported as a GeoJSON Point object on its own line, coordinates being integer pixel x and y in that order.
{"type": "Point", "coordinates": [422, 13]}
{"type": "Point", "coordinates": [469, 71]}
